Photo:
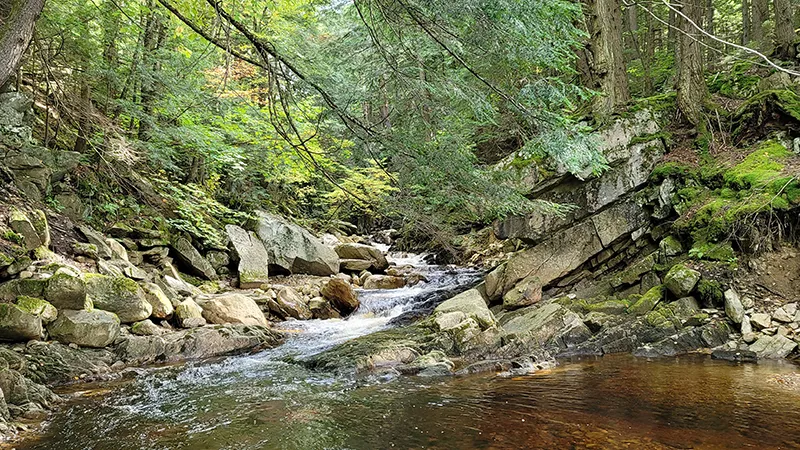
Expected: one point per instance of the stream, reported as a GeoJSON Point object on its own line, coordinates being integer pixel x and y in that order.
{"type": "Point", "coordinates": [263, 401]}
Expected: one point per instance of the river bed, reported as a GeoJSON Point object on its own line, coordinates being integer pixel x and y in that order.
{"type": "Point", "coordinates": [267, 401]}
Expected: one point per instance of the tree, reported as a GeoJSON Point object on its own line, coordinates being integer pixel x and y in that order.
{"type": "Point", "coordinates": [690, 86]}
{"type": "Point", "coordinates": [606, 63]}
{"type": "Point", "coordinates": [745, 22]}
{"type": "Point", "coordinates": [17, 18]}
{"type": "Point", "coordinates": [758, 15]}
{"type": "Point", "coordinates": [784, 30]}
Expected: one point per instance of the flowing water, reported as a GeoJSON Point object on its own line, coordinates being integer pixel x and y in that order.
{"type": "Point", "coordinates": [265, 402]}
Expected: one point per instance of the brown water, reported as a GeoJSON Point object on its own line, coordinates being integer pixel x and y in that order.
{"type": "Point", "coordinates": [265, 401]}
{"type": "Point", "coordinates": [612, 402]}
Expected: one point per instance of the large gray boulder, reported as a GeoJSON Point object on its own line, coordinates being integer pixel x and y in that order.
{"type": "Point", "coordinates": [294, 249]}
{"type": "Point", "coordinates": [773, 347]}
{"type": "Point", "coordinates": [85, 328]}
{"type": "Point", "coordinates": [119, 295]}
{"type": "Point", "coordinates": [232, 309]}
{"type": "Point", "coordinates": [252, 255]}
{"type": "Point", "coordinates": [353, 251]}
{"type": "Point", "coordinates": [192, 260]}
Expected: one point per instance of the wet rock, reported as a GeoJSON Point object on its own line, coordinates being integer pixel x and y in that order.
{"type": "Point", "coordinates": [161, 304]}
{"type": "Point", "coordinates": [352, 251]}
{"type": "Point", "coordinates": [189, 314]}
{"type": "Point", "coordinates": [742, 356]}
{"type": "Point", "coordinates": [85, 328]}
{"type": "Point", "coordinates": [19, 325]}
{"type": "Point", "coordinates": [341, 295]}
{"type": "Point", "coordinates": [383, 282]}
{"type": "Point", "coordinates": [194, 262]}
{"type": "Point", "coordinates": [291, 304]}
{"type": "Point", "coordinates": [733, 306]}
{"type": "Point", "coordinates": [773, 347]}
{"type": "Point", "coordinates": [322, 309]}
{"type": "Point", "coordinates": [681, 280]}
{"type": "Point", "coordinates": [66, 289]}
{"type": "Point", "coordinates": [252, 256]}
{"type": "Point", "coordinates": [119, 295]}
{"type": "Point", "coordinates": [760, 321]}
{"type": "Point", "coordinates": [232, 309]}
{"type": "Point", "coordinates": [294, 249]}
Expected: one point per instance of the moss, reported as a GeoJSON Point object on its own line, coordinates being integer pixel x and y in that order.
{"type": "Point", "coordinates": [710, 292]}
{"type": "Point", "coordinates": [670, 170]}
{"type": "Point", "coordinates": [612, 306]}
{"type": "Point", "coordinates": [722, 251]}
{"type": "Point", "coordinates": [760, 168]}
{"type": "Point", "coordinates": [648, 301]}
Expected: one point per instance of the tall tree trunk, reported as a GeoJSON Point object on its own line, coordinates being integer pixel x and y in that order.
{"type": "Point", "coordinates": [745, 22]}
{"type": "Point", "coordinates": [709, 27]}
{"type": "Point", "coordinates": [606, 62]}
{"type": "Point", "coordinates": [784, 30]}
{"type": "Point", "coordinates": [154, 35]}
{"type": "Point", "coordinates": [84, 124]}
{"type": "Point", "coordinates": [17, 18]}
{"type": "Point", "coordinates": [759, 14]}
{"type": "Point", "coordinates": [691, 86]}
{"type": "Point", "coordinates": [650, 43]}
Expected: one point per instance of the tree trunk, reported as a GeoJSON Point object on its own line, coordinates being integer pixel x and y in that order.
{"type": "Point", "coordinates": [16, 32]}
{"type": "Point", "coordinates": [709, 27]}
{"type": "Point", "coordinates": [649, 53]}
{"type": "Point", "coordinates": [759, 15]}
{"type": "Point", "coordinates": [691, 86]}
{"type": "Point", "coordinates": [745, 22]}
{"type": "Point", "coordinates": [784, 30]}
{"type": "Point", "coordinates": [606, 62]}
{"type": "Point", "coordinates": [154, 35]}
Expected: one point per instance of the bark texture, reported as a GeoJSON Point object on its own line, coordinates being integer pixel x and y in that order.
{"type": "Point", "coordinates": [691, 86]}
{"type": "Point", "coordinates": [605, 58]}
{"type": "Point", "coordinates": [17, 18]}
{"type": "Point", "coordinates": [784, 30]}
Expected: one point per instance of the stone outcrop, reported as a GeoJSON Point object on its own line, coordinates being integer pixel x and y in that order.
{"type": "Point", "coordinates": [252, 257]}
{"type": "Point", "coordinates": [293, 249]}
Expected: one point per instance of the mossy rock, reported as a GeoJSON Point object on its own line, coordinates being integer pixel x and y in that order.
{"type": "Point", "coordinates": [612, 307]}
{"type": "Point", "coordinates": [681, 280]}
{"type": "Point", "coordinates": [37, 307]}
{"type": "Point", "coordinates": [66, 289]}
{"type": "Point", "coordinates": [710, 293]}
{"type": "Point", "coordinates": [648, 301]}
{"type": "Point", "coordinates": [29, 287]}
{"type": "Point", "coordinates": [18, 324]}
{"type": "Point", "coordinates": [119, 295]}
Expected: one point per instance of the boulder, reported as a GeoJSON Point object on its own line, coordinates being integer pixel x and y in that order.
{"type": "Point", "coordinates": [384, 282]}
{"type": "Point", "coordinates": [85, 328]}
{"type": "Point", "coordinates": [23, 226]}
{"type": "Point", "coordinates": [746, 327]}
{"type": "Point", "coordinates": [290, 304]}
{"type": "Point", "coordinates": [194, 262]}
{"type": "Point", "coordinates": [37, 307]}
{"type": "Point", "coordinates": [31, 287]}
{"type": "Point", "coordinates": [98, 240]}
{"type": "Point", "coordinates": [147, 328]}
{"type": "Point", "coordinates": [66, 289]}
{"type": "Point", "coordinates": [294, 249]}
{"type": "Point", "coordinates": [733, 306]}
{"type": "Point", "coordinates": [322, 309]}
{"type": "Point", "coordinates": [648, 301]}
{"type": "Point", "coordinates": [681, 280]}
{"type": "Point", "coordinates": [471, 304]}
{"type": "Point", "coordinates": [162, 306]}
{"type": "Point", "coordinates": [352, 251]}
{"type": "Point", "coordinates": [773, 347]}
{"type": "Point", "coordinates": [119, 295]}
{"type": "Point", "coordinates": [232, 309]}
{"type": "Point", "coordinates": [760, 321]}
{"type": "Point", "coordinates": [354, 265]}
{"type": "Point", "coordinates": [189, 314]}
{"type": "Point", "coordinates": [118, 251]}
{"type": "Point", "coordinates": [341, 295]}
{"type": "Point", "coordinates": [252, 256]}
{"type": "Point", "coordinates": [18, 324]}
